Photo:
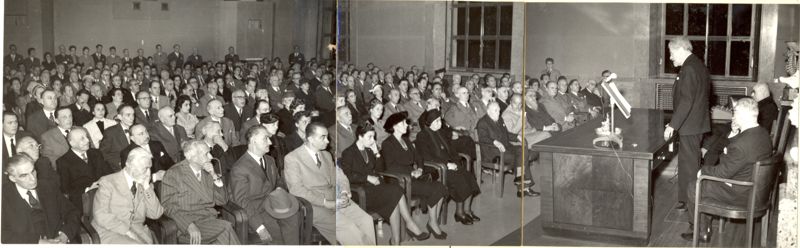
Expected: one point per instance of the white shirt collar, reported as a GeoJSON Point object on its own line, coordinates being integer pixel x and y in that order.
{"type": "Point", "coordinates": [255, 157]}
{"type": "Point", "coordinates": [24, 193]}
{"type": "Point", "coordinates": [194, 172]}
{"type": "Point", "coordinates": [312, 153]}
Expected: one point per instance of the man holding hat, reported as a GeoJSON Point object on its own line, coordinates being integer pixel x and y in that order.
{"type": "Point", "coordinates": [189, 192]}
{"type": "Point", "coordinates": [261, 191]}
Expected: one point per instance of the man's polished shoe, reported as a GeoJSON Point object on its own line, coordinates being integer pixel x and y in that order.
{"type": "Point", "coordinates": [527, 192]}
{"type": "Point", "coordinates": [464, 219]}
{"type": "Point", "coordinates": [681, 207]}
{"type": "Point", "coordinates": [702, 237]}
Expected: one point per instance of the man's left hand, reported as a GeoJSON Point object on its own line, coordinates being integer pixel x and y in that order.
{"type": "Point", "coordinates": [668, 132]}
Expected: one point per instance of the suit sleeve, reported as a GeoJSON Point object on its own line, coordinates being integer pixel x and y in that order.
{"type": "Point", "coordinates": [70, 216]}
{"type": "Point", "coordinates": [105, 149]}
{"type": "Point", "coordinates": [171, 192]}
{"type": "Point", "coordinates": [251, 203]}
{"type": "Point", "coordinates": [64, 177]}
{"type": "Point", "coordinates": [154, 208]}
{"type": "Point", "coordinates": [685, 93]}
{"type": "Point", "coordinates": [294, 181]}
{"type": "Point", "coordinates": [102, 213]}
{"type": "Point", "coordinates": [729, 164]}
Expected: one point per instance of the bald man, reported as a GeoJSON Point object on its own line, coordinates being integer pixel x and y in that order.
{"type": "Point", "coordinates": [80, 167]}
{"type": "Point", "coordinates": [123, 201]}
{"type": "Point", "coordinates": [216, 113]}
{"type": "Point", "coordinates": [169, 134]}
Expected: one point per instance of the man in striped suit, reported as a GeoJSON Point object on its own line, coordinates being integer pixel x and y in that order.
{"type": "Point", "coordinates": [189, 192]}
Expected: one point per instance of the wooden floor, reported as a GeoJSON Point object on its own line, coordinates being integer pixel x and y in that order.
{"type": "Point", "coordinates": [510, 221]}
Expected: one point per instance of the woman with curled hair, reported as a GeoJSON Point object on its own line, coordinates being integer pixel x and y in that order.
{"type": "Point", "coordinates": [433, 146]}
{"type": "Point", "coordinates": [359, 163]}
{"type": "Point", "coordinates": [184, 116]}
{"type": "Point", "coordinates": [376, 119]}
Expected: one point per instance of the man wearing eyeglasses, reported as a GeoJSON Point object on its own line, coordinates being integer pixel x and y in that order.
{"type": "Point", "coordinates": [45, 170]}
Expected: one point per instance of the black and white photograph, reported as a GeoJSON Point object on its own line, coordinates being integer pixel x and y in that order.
{"type": "Point", "coordinates": [401, 123]}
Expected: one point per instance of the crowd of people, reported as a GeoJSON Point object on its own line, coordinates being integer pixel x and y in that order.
{"type": "Point", "coordinates": [412, 124]}
{"type": "Point", "coordinates": [167, 134]}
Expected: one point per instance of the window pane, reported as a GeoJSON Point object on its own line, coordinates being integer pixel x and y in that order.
{"type": "Point", "coordinates": [473, 55]}
{"type": "Point", "coordinates": [489, 53]}
{"type": "Point", "coordinates": [716, 57]}
{"type": "Point", "coordinates": [475, 21]}
{"type": "Point", "coordinates": [718, 20]}
{"type": "Point", "coordinates": [490, 20]}
{"type": "Point", "coordinates": [668, 67]}
{"type": "Point", "coordinates": [740, 58]}
{"type": "Point", "coordinates": [505, 54]}
{"type": "Point", "coordinates": [742, 15]}
{"type": "Point", "coordinates": [461, 20]}
{"type": "Point", "coordinates": [697, 19]}
{"type": "Point", "coordinates": [699, 49]}
{"type": "Point", "coordinates": [506, 15]}
{"type": "Point", "coordinates": [674, 22]}
{"type": "Point", "coordinates": [460, 46]}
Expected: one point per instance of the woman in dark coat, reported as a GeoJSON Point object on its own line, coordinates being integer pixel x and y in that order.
{"type": "Point", "coordinates": [399, 156]}
{"type": "Point", "coordinates": [360, 164]}
{"type": "Point", "coordinates": [434, 147]}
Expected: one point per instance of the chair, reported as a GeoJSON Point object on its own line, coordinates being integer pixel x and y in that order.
{"type": "Point", "coordinates": [236, 215]}
{"type": "Point", "coordinates": [496, 163]}
{"type": "Point", "coordinates": [88, 234]}
{"type": "Point", "coordinates": [442, 169]}
{"type": "Point", "coordinates": [758, 203]}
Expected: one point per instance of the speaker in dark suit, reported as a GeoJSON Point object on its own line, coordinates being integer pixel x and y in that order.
{"type": "Point", "coordinates": [35, 208]}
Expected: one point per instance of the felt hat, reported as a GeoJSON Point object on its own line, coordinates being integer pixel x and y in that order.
{"type": "Point", "coordinates": [429, 116]}
{"type": "Point", "coordinates": [394, 119]}
{"type": "Point", "coordinates": [280, 204]}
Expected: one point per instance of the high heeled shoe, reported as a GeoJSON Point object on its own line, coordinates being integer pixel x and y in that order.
{"type": "Point", "coordinates": [703, 237]}
{"type": "Point", "coordinates": [473, 217]}
{"type": "Point", "coordinates": [442, 235]}
{"type": "Point", "coordinates": [421, 236]}
{"type": "Point", "coordinates": [464, 219]}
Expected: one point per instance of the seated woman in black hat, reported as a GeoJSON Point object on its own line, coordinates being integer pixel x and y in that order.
{"type": "Point", "coordinates": [434, 147]}
{"type": "Point", "coordinates": [360, 163]}
{"type": "Point", "coordinates": [399, 156]}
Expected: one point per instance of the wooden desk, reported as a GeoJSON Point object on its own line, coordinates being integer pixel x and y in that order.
{"type": "Point", "coordinates": [590, 193]}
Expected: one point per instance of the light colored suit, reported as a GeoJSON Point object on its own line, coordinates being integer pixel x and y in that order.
{"type": "Point", "coordinates": [188, 200]}
{"type": "Point", "coordinates": [163, 101]}
{"type": "Point", "coordinates": [317, 184]}
{"type": "Point", "coordinates": [95, 134]}
{"type": "Point", "coordinates": [54, 144]}
{"type": "Point", "coordinates": [117, 211]}
{"type": "Point", "coordinates": [228, 130]}
{"type": "Point", "coordinates": [390, 108]}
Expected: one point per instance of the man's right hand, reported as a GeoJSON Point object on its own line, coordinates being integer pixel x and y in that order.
{"type": "Point", "coordinates": [263, 234]}
{"type": "Point", "coordinates": [329, 204]}
{"type": "Point", "coordinates": [373, 180]}
{"type": "Point", "coordinates": [499, 146]}
{"type": "Point", "coordinates": [194, 234]}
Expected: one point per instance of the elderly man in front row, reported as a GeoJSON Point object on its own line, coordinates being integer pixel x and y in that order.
{"type": "Point", "coordinates": [189, 192]}
{"type": "Point", "coordinates": [311, 174]}
{"type": "Point", "coordinates": [123, 201]}
{"type": "Point", "coordinates": [35, 211]}
{"type": "Point", "coordinates": [749, 143]}
{"type": "Point", "coordinates": [258, 187]}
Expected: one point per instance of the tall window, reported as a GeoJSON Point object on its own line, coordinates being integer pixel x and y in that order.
{"type": "Point", "coordinates": [482, 38]}
{"type": "Point", "coordinates": [722, 35]}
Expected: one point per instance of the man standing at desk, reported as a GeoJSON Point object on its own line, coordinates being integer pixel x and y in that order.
{"type": "Point", "coordinates": [691, 117]}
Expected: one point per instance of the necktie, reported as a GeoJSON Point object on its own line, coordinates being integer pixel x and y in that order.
{"type": "Point", "coordinates": [52, 117]}
{"type": "Point", "coordinates": [133, 190]}
{"type": "Point", "coordinates": [33, 201]}
{"type": "Point", "coordinates": [13, 147]}
{"type": "Point", "coordinates": [319, 161]}
{"type": "Point", "coordinates": [128, 135]}
{"type": "Point", "coordinates": [66, 132]}
{"type": "Point", "coordinates": [263, 165]}
{"type": "Point", "coordinates": [85, 158]}
{"type": "Point", "coordinates": [147, 115]}
{"type": "Point", "coordinates": [101, 125]}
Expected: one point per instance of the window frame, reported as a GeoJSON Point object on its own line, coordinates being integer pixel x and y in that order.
{"type": "Point", "coordinates": [480, 37]}
{"type": "Point", "coordinates": [728, 38]}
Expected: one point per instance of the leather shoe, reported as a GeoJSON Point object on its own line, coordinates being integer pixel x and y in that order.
{"type": "Point", "coordinates": [474, 217]}
{"type": "Point", "coordinates": [527, 192]}
{"type": "Point", "coordinates": [422, 236]}
{"type": "Point", "coordinates": [464, 219]}
{"type": "Point", "coordinates": [681, 207]}
{"type": "Point", "coordinates": [442, 235]}
{"type": "Point", "coordinates": [702, 237]}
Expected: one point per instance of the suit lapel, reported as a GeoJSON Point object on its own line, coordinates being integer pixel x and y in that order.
{"type": "Point", "coordinates": [192, 181]}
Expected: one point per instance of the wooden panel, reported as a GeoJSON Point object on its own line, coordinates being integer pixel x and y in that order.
{"type": "Point", "coordinates": [572, 184]}
{"type": "Point", "coordinates": [612, 192]}
{"type": "Point", "coordinates": [546, 183]}
{"type": "Point", "coordinates": [641, 191]}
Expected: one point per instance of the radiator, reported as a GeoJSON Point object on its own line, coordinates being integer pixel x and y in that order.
{"type": "Point", "coordinates": [721, 92]}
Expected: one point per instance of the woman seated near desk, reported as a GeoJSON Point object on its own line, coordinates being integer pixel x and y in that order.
{"type": "Point", "coordinates": [434, 147]}
{"type": "Point", "coordinates": [360, 163]}
{"type": "Point", "coordinates": [399, 156]}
